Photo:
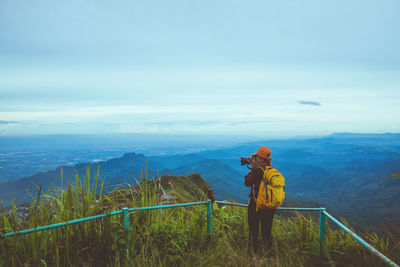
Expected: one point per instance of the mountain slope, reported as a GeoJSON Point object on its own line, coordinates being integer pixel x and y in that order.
{"type": "Point", "coordinates": [344, 172]}
{"type": "Point", "coordinates": [223, 179]}
{"type": "Point", "coordinates": [114, 171]}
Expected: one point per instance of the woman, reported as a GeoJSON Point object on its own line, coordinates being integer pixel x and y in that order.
{"type": "Point", "coordinates": [259, 163]}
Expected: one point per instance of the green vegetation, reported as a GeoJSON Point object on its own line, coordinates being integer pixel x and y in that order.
{"type": "Point", "coordinates": [168, 237]}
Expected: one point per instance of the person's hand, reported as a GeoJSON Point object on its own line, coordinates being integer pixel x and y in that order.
{"type": "Point", "coordinates": [253, 162]}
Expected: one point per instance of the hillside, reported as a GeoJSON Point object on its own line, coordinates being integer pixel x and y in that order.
{"type": "Point", "coordinates": [113, 172]}
{"type": "Point", "coordinates": [343, 172]}
{"type": "Point", "coordinates": [222, 177]}
{"type": "Point", "coordinates": [168, 237]}
{"type": "Point", "coordinates": [127, 170]}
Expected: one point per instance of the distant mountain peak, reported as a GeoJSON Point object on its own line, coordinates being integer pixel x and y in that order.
{"type": "Point", "coordinates": [131, 154]}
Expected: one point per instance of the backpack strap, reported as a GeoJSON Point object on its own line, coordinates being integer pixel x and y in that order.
{"type": "Point", "coordinates": [253, 191]}
{"type": "Point", "coordinates": [263, 178]}
{"type": "Point", "coordinates": [263, 169]}
{"type": "Point", "coordinates": [267, 168]}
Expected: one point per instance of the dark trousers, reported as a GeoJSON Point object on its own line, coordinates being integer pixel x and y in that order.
{"type": "Point", "coordinates": [263, 216]}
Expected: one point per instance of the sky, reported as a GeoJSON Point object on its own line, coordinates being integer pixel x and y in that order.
{"type": "Point", "coordinates": [221, 67]}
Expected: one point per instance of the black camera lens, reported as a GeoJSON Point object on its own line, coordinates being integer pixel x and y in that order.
{"type": "Point", "coordinates": [244, 161]}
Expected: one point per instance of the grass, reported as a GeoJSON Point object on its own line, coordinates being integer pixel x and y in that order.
{"type": "Point", "coordinates": [168, 237]}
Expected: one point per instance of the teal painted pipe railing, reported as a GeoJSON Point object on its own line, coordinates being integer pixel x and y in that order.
{"type": "Point", "coordinates": [321, 230]}
{"type": "Point", "coordinates": [280, 208]}
{"type": "Point", "coordinates": [126, 211]}
{"type": "Point", "coordinates": [209, 211]}
{"type": "Point", "coordinates": [125, 223]}
{"type": "Point", "coordinates": [360, 240]}
{"type": "Point", "coordinates": [322, 222]}
{"type": "Point", "coordinates": [56, 225]}
{"type": "Point", "coordinates": [168, 206]}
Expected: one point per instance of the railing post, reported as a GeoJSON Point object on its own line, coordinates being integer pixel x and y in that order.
{"type": "Point", "coordinates": [322, 223]}
{"type": "Point", "coordinates": [209, 210]}
{"type": "Point", "coordinates": [125, 223]}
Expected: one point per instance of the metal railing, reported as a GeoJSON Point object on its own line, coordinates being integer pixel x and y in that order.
{"type": "Point", "coordinates": [323, 214]}
{"type": "Point", "coordinates": [126, 211]}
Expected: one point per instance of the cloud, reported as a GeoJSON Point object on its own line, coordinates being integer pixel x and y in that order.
{"type": "Point", "coordinates": [7, 122]}
{"type": "Point", "coordinates": [312, 103]}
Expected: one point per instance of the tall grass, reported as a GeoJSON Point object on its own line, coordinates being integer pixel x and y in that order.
{"type": "Point", "coordinates": [168, 237]}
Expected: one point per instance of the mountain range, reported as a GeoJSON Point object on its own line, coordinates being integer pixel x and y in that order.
{"type": "Point", "coordinates": [343, 172]}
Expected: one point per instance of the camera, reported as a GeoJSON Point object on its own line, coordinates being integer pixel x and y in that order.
{"type": "Point", "coordinates": [244, 161]}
